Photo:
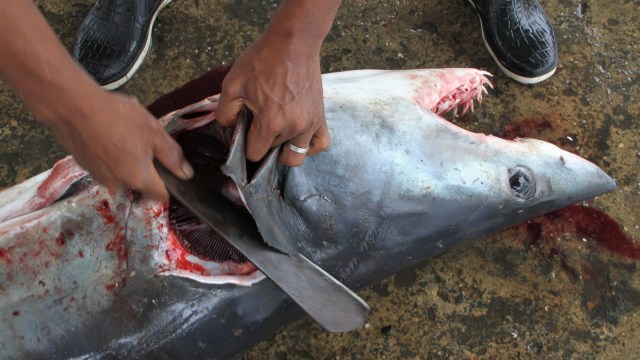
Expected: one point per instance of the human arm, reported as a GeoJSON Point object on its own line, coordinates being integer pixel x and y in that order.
{"type": "Point", "coordinates": [110, 135]}
{"type": "Point", "coordinates": [278, 79]}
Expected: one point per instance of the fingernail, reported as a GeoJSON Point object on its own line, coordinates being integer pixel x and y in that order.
{"type": "Point", "coordinates": [187, 170]}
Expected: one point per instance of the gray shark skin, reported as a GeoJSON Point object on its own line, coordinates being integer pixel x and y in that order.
{"type": "Point", "coordinates": [87, 273]}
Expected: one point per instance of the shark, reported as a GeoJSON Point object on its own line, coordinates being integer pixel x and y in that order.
{"type": "Point", "coordinates": [90, 273]}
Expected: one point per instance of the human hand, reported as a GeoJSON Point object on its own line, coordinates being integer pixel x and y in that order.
{"type": "Point", "coordinates": [116, 140]}
{"type": "Point", "coordinates": [280, 82]}
{"type": "Point", "coordinates": [110, 135]}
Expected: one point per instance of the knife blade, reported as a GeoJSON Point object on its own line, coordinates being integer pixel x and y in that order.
{"type": "Point", "coordinates": [330, 303]}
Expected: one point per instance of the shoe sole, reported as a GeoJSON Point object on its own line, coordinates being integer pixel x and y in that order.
{"type": "Point", "coordinates": [145, 51]}
{"type": "Point", "coordinates": [519, 78]}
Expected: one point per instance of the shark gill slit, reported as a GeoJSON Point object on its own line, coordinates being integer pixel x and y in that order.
{"type": "Point", "coordinates": [206, 148]}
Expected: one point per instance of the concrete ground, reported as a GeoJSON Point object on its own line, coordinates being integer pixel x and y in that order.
{"type": "Point", "coordinates": [549, 289]}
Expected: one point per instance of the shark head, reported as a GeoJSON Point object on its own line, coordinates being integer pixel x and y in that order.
{"type": "Point", "coordinates": [401, 183]}
{"type": "Point", "coordinates": [533, 177]}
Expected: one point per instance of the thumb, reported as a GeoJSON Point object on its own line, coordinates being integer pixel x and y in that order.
{"type": "Point", "coordinates": [170, 154]}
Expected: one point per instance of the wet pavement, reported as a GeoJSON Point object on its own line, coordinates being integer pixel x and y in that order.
{"type": "Point", "coordinates": [565, 286]}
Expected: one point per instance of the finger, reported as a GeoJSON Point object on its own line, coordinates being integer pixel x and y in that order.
{"type": "Point", "coordinates": [149, 183]}
{"type": "Point", "coordinates": [320, 140]}
{"type": "Point", "coordinates": [154, 187]}
{"type": "Point", "coordinates": [290, 157]}
{"type": "Point", "coordinates": [170, 154]}
{"type": "Point", "coordinates": [259, 139]}
{"type": "Point", "coordinates": [111, 185]}
{"type": "Point", "coordinates": [229, 108]}
{"type": "Point", "coordinates": [144, 180]}
{"type": "Point", "coordinates": [103, 178]}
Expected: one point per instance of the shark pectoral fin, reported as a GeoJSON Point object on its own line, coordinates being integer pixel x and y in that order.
{"type": "Point", "coordinates": [42, 190]}
{"type": "Point", "coordinates": [236, 167]}
{"type": "Point", "coordinates": [278, 223]}
{"type": "Point", "coordinates": [261, 194]}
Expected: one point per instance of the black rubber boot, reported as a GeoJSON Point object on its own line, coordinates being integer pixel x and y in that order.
{"type": "Point", "coordinates": [115, 37]}
{"type": "Point", "coordinates": [519, 37]}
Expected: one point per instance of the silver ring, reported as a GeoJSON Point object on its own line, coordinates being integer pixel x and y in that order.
{"type": "Point", "coordinates": [296, 149]}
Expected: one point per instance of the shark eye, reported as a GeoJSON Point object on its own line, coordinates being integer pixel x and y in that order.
{"type": "Point", "coordinates": [522, 182]}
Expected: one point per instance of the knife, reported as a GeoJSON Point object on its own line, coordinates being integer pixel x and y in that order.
{"type": "Point", "coordinates": [330, 303]}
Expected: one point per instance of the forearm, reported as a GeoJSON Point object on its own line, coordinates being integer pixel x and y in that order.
{"type": "Point", "coordinates": [36, 65]}
{"type": "Point", "coordinates": [304, 23]}
{"type": "Point", "coordinates": [112, 136]}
